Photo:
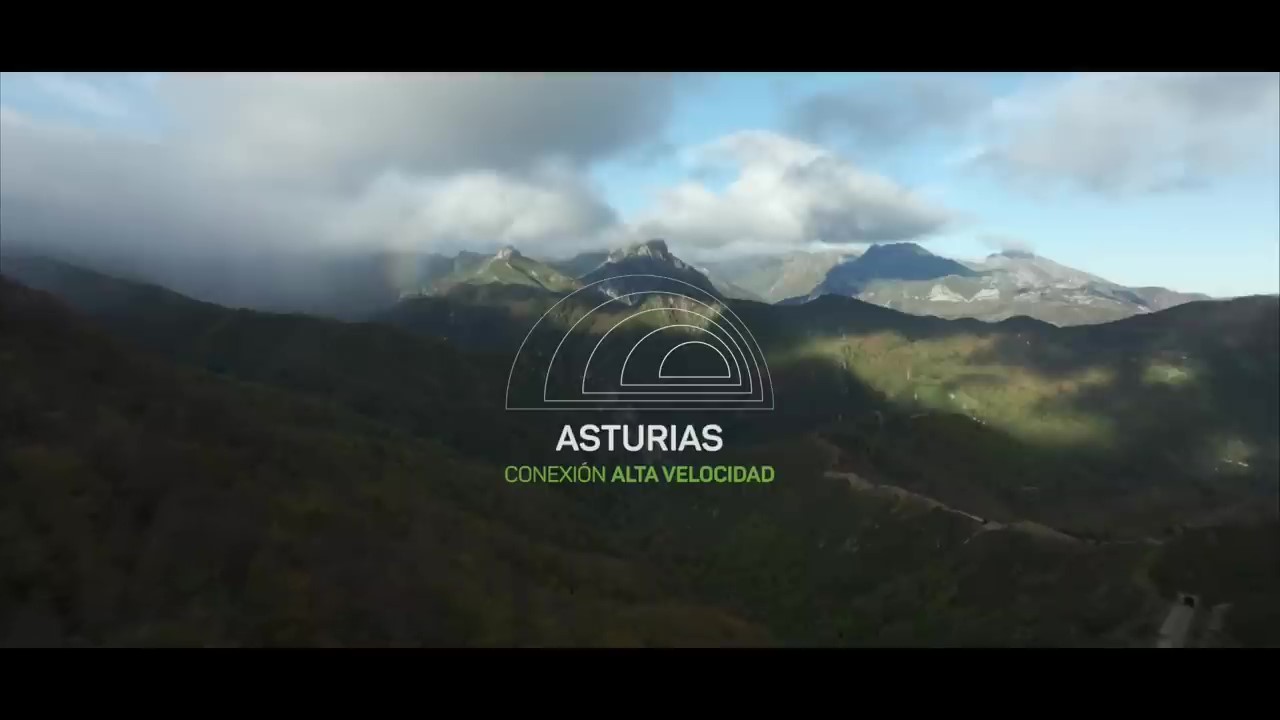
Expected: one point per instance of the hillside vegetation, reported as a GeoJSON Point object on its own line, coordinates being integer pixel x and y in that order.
{"type": "Point", "coordinates": [149, 505]}
{"type": "Point", "coordinates": [209, 476]}
{"type": "Point", "coordinates": [1082, 426]}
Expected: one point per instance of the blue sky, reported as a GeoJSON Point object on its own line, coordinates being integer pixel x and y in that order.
{"type": "Point", "coordinates": [1223, 239]}
{"type": "Point", "coordinates": [1144, 180]}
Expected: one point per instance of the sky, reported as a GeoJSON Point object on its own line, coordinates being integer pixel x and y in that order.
{"type": "Point", "coordinates": [1169, 179]}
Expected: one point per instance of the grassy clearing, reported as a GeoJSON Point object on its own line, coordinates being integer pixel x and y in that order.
{"type": "Point", "coordinates": [944, 375]}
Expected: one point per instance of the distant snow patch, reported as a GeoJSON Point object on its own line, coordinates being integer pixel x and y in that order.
{"type": "Point", "coordinates": [941, 293]}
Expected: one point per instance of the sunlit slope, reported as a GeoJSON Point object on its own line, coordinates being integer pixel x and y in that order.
{"type": "Point", "coordinates": [1143, 423]}
{"type": "Point", "coordinates": [1208, 364]}
{"type": "Point", "coordinates": [507, 267]}
{"type": "Point", "coordinates": [1130, 427]}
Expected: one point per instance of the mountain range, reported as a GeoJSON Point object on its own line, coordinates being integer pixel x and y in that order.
{"type": "Point", "coordinates": [772, 278]}
{"type": "Point", "coordinates": [902, 276]}
{"type": "Point", "coordinates": [906, 277]}
{"type": "Point", "coordinates": [182, 472]}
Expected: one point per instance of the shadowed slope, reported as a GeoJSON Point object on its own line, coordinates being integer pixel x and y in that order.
{"type": "Point", "coordinates": [148, 505]}
{"type": "Point", "coordinates": [812, 558]}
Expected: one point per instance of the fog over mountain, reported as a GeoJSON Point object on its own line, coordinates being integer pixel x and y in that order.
{"type": "Point", "coordinates": [252, 188]}
{"type": "Point", "coordinates": [221, 194]}
{"type": "Point", "coordinates": [317, 359]}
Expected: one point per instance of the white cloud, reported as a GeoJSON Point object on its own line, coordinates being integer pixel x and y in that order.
{"type": "Point", "coordinates": [1113, 134]}
{"type": "Point", "coordinates": [69, 187]}
{"type": "Point", "coordinates": [787, 194]}
{"type": "Point", "coordinates": [479, 209]}
{"type": "Point", "coordinates": [175, 211]}
{"type": "Point", "coordinates": [343, 130]}
{"type": "Point", "coordinates": [262, 164]}
{"type": "Point", "coordinates": [1122, 134]}
{"type": "Point", "coordinates": [76, 188]}
{"type": "Point", "coordinates": [306, 162]}
{"type": "Point", "coordinates": [256, 165]}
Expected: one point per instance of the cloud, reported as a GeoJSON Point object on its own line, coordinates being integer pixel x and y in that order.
{"type": "Point", "coordinates": [66, 186]}
{"type": "Point", "coordinates": [260, 179]}
{"type": "Point", "coordinates": [1126, 134]}
{"type": "Point", "coordinates": [480, 209]}
{"type": "Point", "coordinates": [344, 130]}
{"type": "Point", "coordinates": [1004, 243]}
{"type": "Point", "coordinates": [81, 94]}
{"type": "Point", "coordinates": [78, 189]}
{"type": "Point", "coordinates": [1113, 134]}
{"type": "Point", "coordinates": [258, 162]}
{"type": "Point", "coordinates": [785, 194]}
{"type": "Point", "coordinates": [882, 115]}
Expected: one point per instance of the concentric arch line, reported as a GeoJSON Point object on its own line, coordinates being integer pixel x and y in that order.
{"type": "Point", "coordinates": [733, 314]}
{"type": "Point", "coordinates": [647, 292]}
{"type": "Point", "coordinates": [623, 374]}
{"type": "Point", "coordinates": [663, 364]}
{"type": "Point", "coordinates": [755, 343]}
{"type": "Point", "coordinates": [750, 382]}
{"type": "Point", "coordinates": [569, 332]}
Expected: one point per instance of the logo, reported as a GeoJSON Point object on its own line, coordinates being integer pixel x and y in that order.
{"type": "Point", "coordinates": [639, 343]}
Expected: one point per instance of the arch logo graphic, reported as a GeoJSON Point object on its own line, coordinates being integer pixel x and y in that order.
{"type": "Point", "coordinates": [640, 343]}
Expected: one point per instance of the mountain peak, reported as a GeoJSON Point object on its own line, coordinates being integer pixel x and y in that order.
{"type": "Point", "coordinates": [1015, 254]}
{"type": "Point", "coordinates": [892, 261]}
{"type": "Point", "coordinates": [898, 249]}
{"type": "Point", "coordinates": [651, 258]}
{"type": "Point", "coordinates": [655, 248]}
{"type": "Point", "coordinates": [507, 252]}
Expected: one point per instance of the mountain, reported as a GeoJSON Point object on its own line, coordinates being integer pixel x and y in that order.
{"type": "Point", "coordinates": [1027, 269]}
{"type": "Point", "coordinates": [506, 267]}
{"type": "Point", "coordinates": [773, 278]}
{"type": "Point", "coordinates": [584, 264]}
{"type": "Point", "coordinates": [246, 478]}
{"type": "Point", "coordinates": [161, 505]}
{"type": "Point", "coordinates": [647, 258]}
{"type": "Point", "coordinates": [346, 284]}
{"type": "Point", "coordinates": [1158, 298]}
{"type": "Point", "coordinates": [727, 288]}
{"type": "Point", "coordinates": [1165, 401]}
{"type": "Point", "coordinates": [895, 261]}
{"type": "Point", "coordinates": [580, 264]}
{"type": "Point", "coordinates": [1004, 285]}
{"type": "Point", "coordinates": [1203, 369]}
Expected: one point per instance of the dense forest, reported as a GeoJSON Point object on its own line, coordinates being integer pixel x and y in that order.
{"type": "Point", "coordinates": [179, 473]}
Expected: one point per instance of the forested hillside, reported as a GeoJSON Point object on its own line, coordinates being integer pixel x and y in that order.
{"type": "Point", "coordinates": [208, 476]}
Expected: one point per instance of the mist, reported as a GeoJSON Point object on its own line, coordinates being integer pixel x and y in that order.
{"type": "Point", "coordinates": [286, 193]}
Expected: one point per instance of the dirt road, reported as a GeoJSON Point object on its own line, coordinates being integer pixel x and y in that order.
{"type": "Point", "coordinates": [984, 525]}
